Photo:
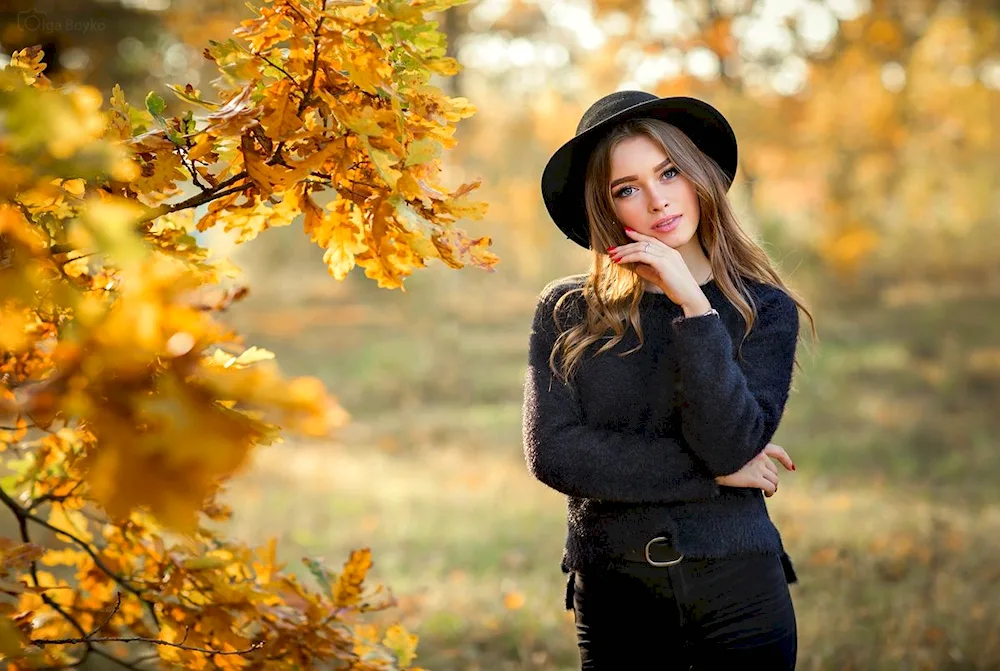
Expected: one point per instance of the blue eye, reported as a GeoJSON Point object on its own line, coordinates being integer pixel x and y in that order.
{"type": "Point", "coordinates": [624, 191]}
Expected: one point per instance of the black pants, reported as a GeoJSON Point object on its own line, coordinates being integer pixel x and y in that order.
{"type": "Point", "coordinates": [698, 615]}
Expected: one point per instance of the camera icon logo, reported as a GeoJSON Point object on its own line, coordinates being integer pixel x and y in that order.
{"type": "Point", "coordinates": [31, 20]}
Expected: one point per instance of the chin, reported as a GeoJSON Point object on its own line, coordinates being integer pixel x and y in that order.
{"type": "Point", "coordinates": [672, 239]}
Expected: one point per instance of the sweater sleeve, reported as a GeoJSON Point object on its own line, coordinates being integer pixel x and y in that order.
{"type": "Point", "coordinates": [566, 454]}
{"type": "Point", "coordinates": [732, 408]}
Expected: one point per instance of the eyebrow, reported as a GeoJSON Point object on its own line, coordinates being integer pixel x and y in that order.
{"type": "Point", "coordinates": [629, 178]}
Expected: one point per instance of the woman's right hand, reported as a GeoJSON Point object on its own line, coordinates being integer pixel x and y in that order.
{"type": "Point", "coordinates": [760, 472]}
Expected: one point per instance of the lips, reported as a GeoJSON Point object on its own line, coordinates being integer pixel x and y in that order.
{"type": "Point", "coordinates": [667, 223]}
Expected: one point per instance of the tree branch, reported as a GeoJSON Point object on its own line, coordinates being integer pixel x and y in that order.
{"type": "Point", "coordinates": [278, 67]}
{"type": "Point", "coordinates": [53, 498]}
{"type": "Point", "coordinates": [196, 200]}
{"type": "Point", "coordinates": [141, 639]}
{"type": "Point", "coordinates": [118, 603]}
{"type": "Point", "coordinates": [189, 164]}
{"type": "Point", "coordinates": [22, 526]}
{"type": "Point", "coordinates": [315, 63]}
{"type": "Point", "coordinates": [23, 516]}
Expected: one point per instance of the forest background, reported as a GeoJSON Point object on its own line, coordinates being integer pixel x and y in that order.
{"type": "Point", "coordinates": [869, 134]}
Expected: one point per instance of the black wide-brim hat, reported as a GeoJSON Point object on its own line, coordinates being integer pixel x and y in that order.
{"type": "Point", "coordinates": [565, 172]}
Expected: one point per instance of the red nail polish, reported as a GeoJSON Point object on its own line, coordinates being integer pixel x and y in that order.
{"type": "Point", "coordinates": [610, 248]}
{"type": "Point", "coordinates": [629, 229]}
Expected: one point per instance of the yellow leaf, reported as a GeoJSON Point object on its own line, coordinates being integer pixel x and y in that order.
{"type": "Point", "coordinates": [266, 567]}
{"type": "Point", "coordinates": [252, 355]}
{"type": "Point", "coordinates": [18, 555]}
{"type": "Point", "coordinates": [29, 62]}
{"type": "Point", "coordinates": [14, 327]}
{"type": "Point", "coordinates": [366, 70]}
{"type": "Point", "coordinates": [383, 162]}
{"type": "Point", "coordinates": [204, 563]}
{"type": "Point", "coordinates": [462, 208]}
{"type": "Point", "coordinates": [341, 233]}
{"type": "Point", "coordinates": [364, 122]}
{"type": "Point", "coordinates": [112, 222]}
{"type": "Point", "coordinates": [120, 116]}
{"type": "Point", "coordinates": [70, 521]}
{"type": "Point", "coordinates": [347, 591]}
{"type": "Point", "coordinates": [65, 557]}
{"type": "Point", "coordinates": [402, 643]}
{"type": "Point", "coordinates": [202, 146]}
{"type": "Point", "coordinates": [444, 66]}
{"type": "Point", "coordinates": [281, 115]}
{"type": "Point", "coordinates": [422, 151]}
{"type": "Point", "coordinates": [11, 640]}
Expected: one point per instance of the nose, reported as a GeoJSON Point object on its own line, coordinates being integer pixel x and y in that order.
{"type": "Point", "coordinates": [657, 201]}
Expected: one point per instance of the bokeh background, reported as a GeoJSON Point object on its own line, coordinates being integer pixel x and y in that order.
{"type": "Point", "coordinates": [870, 170]}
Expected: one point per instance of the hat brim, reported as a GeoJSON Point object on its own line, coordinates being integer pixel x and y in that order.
{"type": "Point", "coordinates": [564, 174]}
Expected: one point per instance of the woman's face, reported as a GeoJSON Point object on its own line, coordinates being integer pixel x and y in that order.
{"type": "Point", "coordinates": [650, 195]}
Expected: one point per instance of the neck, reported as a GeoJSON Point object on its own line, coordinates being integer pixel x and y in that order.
{"type": "Point", "coordinates": [696, 261]}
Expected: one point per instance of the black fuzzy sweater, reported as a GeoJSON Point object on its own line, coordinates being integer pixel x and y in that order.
{"type": "Point", "coordinates": [635, 442]}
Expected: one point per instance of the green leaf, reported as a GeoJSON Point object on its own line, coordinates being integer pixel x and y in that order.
{"type": "Point", "coordinates": [175, 137]}
{"type": "Point", "coordinates": [192, 95]}
{"type": "Point", "coordinates": [323, 576]}
{"type": "Point", "coordinates": [383, 162]}
{"type": "Point", "coordinates": [422, 151]}
{"type": "Point", "coordinates": [155, 104]}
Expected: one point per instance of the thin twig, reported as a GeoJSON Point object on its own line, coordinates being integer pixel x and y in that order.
{"type": "Point", "coordinates": [23, 516]}
{"type": "Point", "coordinates": [278, 67]}
{"type": "Point", "coordinates": [189, 164]}
{"type": "Point", "coordinates": [118, 603]}
{"type": "Point", "coordinates": [194, 201]}
{"type": "Point", "coordinates": [315, 63]}
{"type": "Point", "coordinates": [141, 639]}
{"type": "Point", "coordinates": [53, 498]}
{"type": "Point", "coordinates": [22, 525]}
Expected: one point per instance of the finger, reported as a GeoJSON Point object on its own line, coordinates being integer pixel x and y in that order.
{"type": "Point", "coordinates": [636, 235]}
{"type": "Point", "coordinates": [635, 257]}
{"type": "Point", "coordinates": [778, 452]}
{"type": "Point", "coordinates": [770, 465]}
{"type": "Point", "coordinates": [770, 477]}
{"type": "Point", "coordinates": [769, 488]}
{"type": "Point", "coordinates": [625, 249]}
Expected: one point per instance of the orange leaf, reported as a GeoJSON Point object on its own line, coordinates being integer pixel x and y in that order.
{"type": "Point", "coordinates": [347, 591]}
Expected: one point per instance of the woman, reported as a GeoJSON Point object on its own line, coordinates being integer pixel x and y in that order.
{"type": "Point", "coordinates": [655, 383]}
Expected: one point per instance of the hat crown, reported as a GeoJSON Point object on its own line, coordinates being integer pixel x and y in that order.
{"type": "Point", "coordinates": [609, 105]}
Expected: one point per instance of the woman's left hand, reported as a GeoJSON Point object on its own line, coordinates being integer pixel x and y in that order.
{"type": "Point", "coordinates": [663, 266]}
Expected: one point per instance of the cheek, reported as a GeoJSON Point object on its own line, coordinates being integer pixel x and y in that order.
{"type": "Point", "coordinates": [627, 210]}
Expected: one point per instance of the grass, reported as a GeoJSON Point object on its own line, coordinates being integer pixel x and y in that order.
{"type": "Point", "coordinates": [891, 517]}
{"type": "Point", "coordinates": [471, 546]}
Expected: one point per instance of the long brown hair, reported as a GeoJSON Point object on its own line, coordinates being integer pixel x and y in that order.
{"type": "Point", "coordinates": [613, 293]}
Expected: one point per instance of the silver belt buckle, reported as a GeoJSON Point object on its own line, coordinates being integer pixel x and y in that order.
{"type": "Point", "coordinates": [650, 561]}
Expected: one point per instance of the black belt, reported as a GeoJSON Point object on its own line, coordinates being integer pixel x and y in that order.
{"type": "Point", "coordinates": [656, 552]}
